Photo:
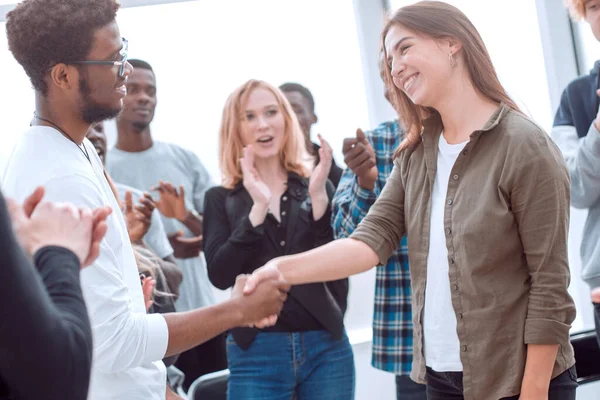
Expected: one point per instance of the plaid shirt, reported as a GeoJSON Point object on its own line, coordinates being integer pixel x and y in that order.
{"type": "Point", "coordinates": [392, 320]}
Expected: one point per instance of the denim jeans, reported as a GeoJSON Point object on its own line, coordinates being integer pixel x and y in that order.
{"type": "Point", "coordinates": [407, 389]}
{"type": "Point", "coordinates": [597, 321]}
{"type": "Point", "coordinates": [449, 386]}
{"type": "Point", "coordinates": [303, 366]}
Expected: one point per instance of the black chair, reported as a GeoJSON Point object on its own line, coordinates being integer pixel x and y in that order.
{"type": "Point", "coordinates": [587, 356]}
{"type": "Point", "coordinates": [211, 386]}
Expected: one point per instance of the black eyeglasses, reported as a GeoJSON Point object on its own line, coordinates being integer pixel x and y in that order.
{"type": "Point", "coordinates": [120, 63]}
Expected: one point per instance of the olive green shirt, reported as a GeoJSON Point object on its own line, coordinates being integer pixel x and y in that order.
{"type": "Point", "coordinates": [506, 225]}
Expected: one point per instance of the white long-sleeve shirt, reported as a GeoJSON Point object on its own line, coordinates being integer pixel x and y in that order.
{"type": "Point", "coordinates": [128, 343]}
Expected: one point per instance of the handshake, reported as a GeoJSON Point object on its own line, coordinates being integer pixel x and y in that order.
{"type": "Point", "coordinates": [259, 297]}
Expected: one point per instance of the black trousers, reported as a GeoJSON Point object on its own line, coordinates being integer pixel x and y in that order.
{"type": "Point", "coordinates": [449, 386]}
{"type": "Point", "coordinates": [209, 357]}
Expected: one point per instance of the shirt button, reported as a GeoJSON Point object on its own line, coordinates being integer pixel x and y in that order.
{"type": "Point", "coordinates": [452, 261]}
{"type": "Point", "coordinates": [449, 201]}
{"type": "Point", "coordinates": [284, 198]}
{"type": "Point", "coordinates": [448, 231]}
{"type": "Point", "coordinates": [455, 177]}
{"type": "Point", "coordinates": [460, 316]}
{"type": "Point", "coordinates": [282, 243]}
{"type": "Point", "coordinates": [463, 348]}
{"type": "Point", "coordinates": [283, 213]}
{"type": "Point", "coordinates": [465, 152]}
{"type": "Point", "coordinates": [455, 287]}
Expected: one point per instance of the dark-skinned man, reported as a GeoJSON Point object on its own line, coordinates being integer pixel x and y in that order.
{"type": "Point", "coordinates": [76, 59]}
{"type": "Point", "coordinates": [303, 104]}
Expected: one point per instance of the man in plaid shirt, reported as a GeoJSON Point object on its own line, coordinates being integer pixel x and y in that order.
{"type": "Point", "coordinates": [370, 160]}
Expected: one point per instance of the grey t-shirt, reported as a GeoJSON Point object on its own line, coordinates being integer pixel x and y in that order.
{"type": "Point", "coordinates": [171, 163]}
{"type": "Point", "coordinates": [156, 237]}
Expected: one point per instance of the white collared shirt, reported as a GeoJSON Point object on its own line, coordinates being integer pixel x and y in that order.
{"type": "Point", "coordinates": [128, 343]}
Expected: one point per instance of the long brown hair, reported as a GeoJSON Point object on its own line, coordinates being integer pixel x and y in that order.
{"type": "Point", "coordinates": [439, 20]}
{"type": "Point", "coordinates": [294, 156]}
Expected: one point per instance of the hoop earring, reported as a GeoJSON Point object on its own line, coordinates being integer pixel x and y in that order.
{"type": "Point", "coordinates": [453, 62]}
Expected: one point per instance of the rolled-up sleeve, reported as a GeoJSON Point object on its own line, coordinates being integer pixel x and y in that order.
{"type": "Point", "coordinates": [124, 337]}
{"type": "Point", "coordinates": [383, 227]}
{"type": "Point", "coordinates": [540, 204]}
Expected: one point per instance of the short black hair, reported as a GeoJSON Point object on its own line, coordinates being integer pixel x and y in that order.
{"type": "Point", "coordinates": [296, 87]}
{"type": "Point", "coordinates": [43, 33]}
{"type": "Point", "coordinates": [136, 63]}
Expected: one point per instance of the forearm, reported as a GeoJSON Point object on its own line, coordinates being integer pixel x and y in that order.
{"type": "Point", "coordinates": [258, 213]}
{"type": "Point", "coordinates": [192, 328]}
{"type": "Point", "coordinates": [320, 202]}
{"type": "Point", "coordinates": [193, 222]}
{"type": "Point", "coordinates": [538, 369]}
{"type": "Point", "coordinates": [336, 260]}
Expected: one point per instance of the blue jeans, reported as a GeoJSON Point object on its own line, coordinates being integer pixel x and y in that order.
{"type": "Point", "coordinates": [407, 389]}
{"type": "Point", "coordinates": [305, 366]}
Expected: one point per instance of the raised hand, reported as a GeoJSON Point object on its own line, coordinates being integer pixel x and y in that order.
{"type": "Point", "coordinates": [172, 202]}
{"type": "Point", "coordinates": [184, 247]}
{"type": "Point", "coordinates": [263, 304]}
{"type": "Point", "coordinates": [258, 190]}
{"type": "Point", "coordinates": [148, 286]}
{"type": "Point", "coordinates": [138, 217]}
{"type": "Point", "coordinates": [359, 156]}
{"type": "Point", "coordinates": [39, 224]}
{"type": "Point", "coordinates": [318, 178]}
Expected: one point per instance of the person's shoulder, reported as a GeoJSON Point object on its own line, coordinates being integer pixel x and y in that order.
{"type": "Point", "coordinates": [122, 189]}
{"type": "Point", "coordinates": [217, 193]}
{"type": "Point", "coordinates": [582, 82]}
{"type": "Point", "coordinates": [524, 138]}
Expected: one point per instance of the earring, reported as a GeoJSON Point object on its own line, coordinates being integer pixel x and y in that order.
{"type": "Point", "coordinates": [453, 62]}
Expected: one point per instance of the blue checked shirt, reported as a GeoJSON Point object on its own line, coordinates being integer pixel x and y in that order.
{"type": "Point", "coordinates": [392, 320]}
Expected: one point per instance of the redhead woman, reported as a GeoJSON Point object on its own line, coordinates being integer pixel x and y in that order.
{"type": "Point", "coordinates": [269, 207]}
{"type": "Point", "coordinates": [483, 194]}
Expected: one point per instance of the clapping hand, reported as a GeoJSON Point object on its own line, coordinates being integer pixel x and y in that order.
{"type": "Point", "coordinates": [258, 190]}
{"type": "Point", "coordinates": [39, 224]}
{"type": "Point", "coordinates": [318, 178]}
{"type": "Point", "coordinates": [138, 217]}
{"type": "Point", "coordinates": [172, 202]}
{"type": "Point", "coordinates": [359, 156]}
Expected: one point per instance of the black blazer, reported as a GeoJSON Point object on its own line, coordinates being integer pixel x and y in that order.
{"type": "Point", "coordinates": [232, 246]}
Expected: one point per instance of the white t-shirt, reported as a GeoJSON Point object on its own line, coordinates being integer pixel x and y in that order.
{"type": "Point", "coordinates": [128, 342]}
{"type": "Point", "coordinates": [441, 344]}
{"type": "Point", "coordinates": [171, 163]}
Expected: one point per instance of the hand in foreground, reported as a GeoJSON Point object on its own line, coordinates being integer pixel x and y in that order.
{"type": "Point", "coordinates": [318, 178]}
{"type": "Point", "coordinates": [261, 306]}
{"type": "Point", "coordinates": [39, 224]}
{"type": "Point", "coordinates": [172, 202]}
{"type": "Point", "coordinates": [138, 217]}
{"type": "Point", "coordinates": [184, 247]}
{"type": "Point", "coordinates": [359, 156]}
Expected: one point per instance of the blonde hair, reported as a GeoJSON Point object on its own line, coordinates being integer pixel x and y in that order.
{"type": "Point", "coordinates": [576, 8]}
{"type": "Point", "coordinates": [294, 156]}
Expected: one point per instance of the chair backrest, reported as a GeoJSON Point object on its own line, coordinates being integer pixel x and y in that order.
{"type": "Point", "coordinates": [211, 386]}
{"type": "Point", "coordinates": [587, 356]}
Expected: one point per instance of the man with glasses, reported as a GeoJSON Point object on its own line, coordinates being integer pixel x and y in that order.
{"type": "Point", "coordinates": [73, 53]}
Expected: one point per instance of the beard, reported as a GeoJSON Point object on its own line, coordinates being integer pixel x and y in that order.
{"type": "Point", "coordinates": [92, 111]}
